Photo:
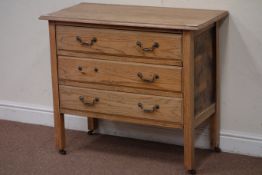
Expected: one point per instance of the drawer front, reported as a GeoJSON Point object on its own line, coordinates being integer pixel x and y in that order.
{"type": "Point", "coordinates": [166, 78]}
{"type": "Point", "coordinates": [122, 104]}
{"type": "Point", "coordinates": [119, 42]}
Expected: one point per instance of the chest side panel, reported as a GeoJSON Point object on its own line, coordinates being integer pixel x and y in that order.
{"type": "Point", "coordinates": [205, 68]}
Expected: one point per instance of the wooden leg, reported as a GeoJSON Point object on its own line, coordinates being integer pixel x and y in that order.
{"type": "Point", "coordinates": [188, 78]}
{"type": "Point", "coordinates": [58, 117]}
{"type": "Point", "coordinates": [92, 125]}
{"type": "Point", "coordinates": [189, 149]}
{"type": "Point", "coordinates": [215, 119]}
{"type": "Point", "coordinates": [60, 132]}
{"type": "Point", "coordinates": [214, 133]}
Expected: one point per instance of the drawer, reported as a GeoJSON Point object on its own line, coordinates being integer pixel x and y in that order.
{"type": "Point", "coordinates": [121, 104]}
{"type": "Point", "coordinates": [119, 42]}
{"type": "Point", "coordinates": [138, 75]}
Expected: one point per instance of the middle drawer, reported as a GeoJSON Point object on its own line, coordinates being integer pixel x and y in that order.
{"type": "Point", "coordinates": [166, 78]}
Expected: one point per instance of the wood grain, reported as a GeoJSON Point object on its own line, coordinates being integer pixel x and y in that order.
{"type": "Point", "coordinates": [58, 116]}
{"type": "Point", "coordinates": [205, 70]}
{"type": "Point", "coordinates": [138, 16]}
{"type": "Point", "coordinates": [132, 59]}
{"type": "Point", "coordinates": [188, 106]}
{"type": "Point", "coordinates": [121, 89]}
{"type": "Point", "coordinates": [123, 104]}
{"type": "Point", "coordinates": [118, 118]}
{"type": "Point", "coordinates": [204, 115]}
{"type": "Point", "coordinates": [119, 42]}
{"type": "Point", "coordinates": [215, 119]}
{"type": "Point", "coordinates": [120, 73]}
{"type": "Point", "coordinates": [108, 26]}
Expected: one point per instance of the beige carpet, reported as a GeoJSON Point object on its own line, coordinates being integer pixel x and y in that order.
{"type": "Point", "coordinates": [29, 150]}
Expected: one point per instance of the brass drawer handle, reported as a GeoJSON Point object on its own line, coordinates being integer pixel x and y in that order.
{"type": "Point", "coordinates": [83, 43]}
{"type": "Point", "coordinates": [154, 108]}
{"type": "Point", "coordinates": [150, 49]}
{"type": "Point", "coordinates": [92, 103]}
{"type": "Point", "coordinates": [153, 79]}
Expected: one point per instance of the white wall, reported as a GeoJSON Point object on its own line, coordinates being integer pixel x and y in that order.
{"type": "Point", "coordinates": [25, 80]}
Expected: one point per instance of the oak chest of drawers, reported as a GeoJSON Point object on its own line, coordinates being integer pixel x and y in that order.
{"type": "Point", "coordinates": [143, 65]}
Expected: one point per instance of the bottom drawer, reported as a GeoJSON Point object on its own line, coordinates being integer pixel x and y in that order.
{"type": "Point", "coordinates": [121, 103]}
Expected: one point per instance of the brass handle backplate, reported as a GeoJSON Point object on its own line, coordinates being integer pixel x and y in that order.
{"type": "Point", "coordinates": [88, 103]}
{"type": "Point", "coordinates": [154, 108]}
{"type": "Point", "coordinates": [150, 49]}
{"type": "Point", "coordinates": [88, 44]}
{"type": "Point", "coordinates": [153, 79]}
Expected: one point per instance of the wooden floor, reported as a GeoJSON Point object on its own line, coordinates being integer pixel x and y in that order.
{"type": "Point", "coordinates": [29, 149]}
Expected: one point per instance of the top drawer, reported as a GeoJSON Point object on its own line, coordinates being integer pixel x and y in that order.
{"type": "Point", "coordinates": [119, 42]}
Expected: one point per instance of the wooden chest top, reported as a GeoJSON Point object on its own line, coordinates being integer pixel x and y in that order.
{"type": "Point", "coordinates": [138, 16]}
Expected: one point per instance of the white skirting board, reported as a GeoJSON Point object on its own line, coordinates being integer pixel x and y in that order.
{"type": "Point", "coordinates": [231, 141]}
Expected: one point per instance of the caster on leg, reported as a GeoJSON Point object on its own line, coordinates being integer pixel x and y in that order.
{"type": "Point", "coordinates": [62, 152]}
{"type": "Point", "coordinates": [217, 150]}
{"type": "Point", "coordinates": [90, 132]}
{"type": "Point", "coordinates": [191, 172]}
